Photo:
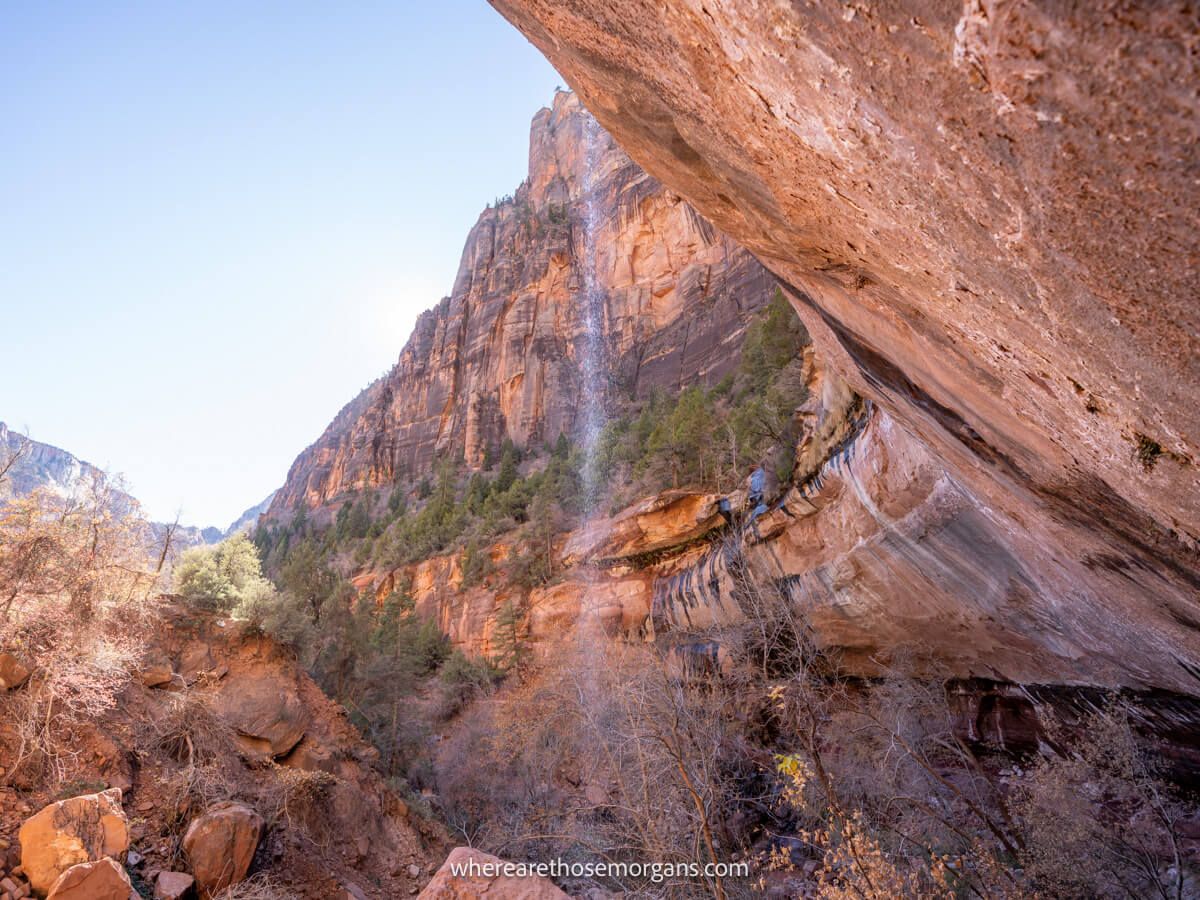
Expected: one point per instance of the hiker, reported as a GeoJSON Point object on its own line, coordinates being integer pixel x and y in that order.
{"type": "Point", "coordinates": [756, 486]}
{"type": "Point", "coordinates": [725, 508]}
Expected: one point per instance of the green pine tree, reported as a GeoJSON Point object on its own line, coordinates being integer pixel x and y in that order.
{"type": "Point", "coordinates": [510, 652]}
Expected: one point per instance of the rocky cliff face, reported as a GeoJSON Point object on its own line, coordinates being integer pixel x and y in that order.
{"type": "Point", "coordinates": [983, 214]}
{"type": "Point", "coordinates": [498, 358]}
{"type": "Point", "coordinates": [37, 466]}
{"type": "Point", "coordinates": [247, 520]}
{"type": "Point", "coordinates": [892, 561]}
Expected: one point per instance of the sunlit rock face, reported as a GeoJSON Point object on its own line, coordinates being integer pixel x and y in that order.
{"type": "Point", "coordinates": [890, 559]}
{"type": "Point", "coordinates": [498, 358]}
{"type": "Point", "coordinates": [985, 214]}
{"type": "Point", "coordinates": [664, 522]}
{"type": "Point", "coordinates": [894, 564]}
{"type": "Point", "coordinates": [39, 466]}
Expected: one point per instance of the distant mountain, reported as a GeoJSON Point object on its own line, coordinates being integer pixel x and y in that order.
{"type": "Point", "coordinates": [54, 469]}
{"type": "Point", "coordinates": [247, 520]}
{"type": "Point", "coordinates": [193, 536]}
{"type": "Point", "coordinates": [41, 466]}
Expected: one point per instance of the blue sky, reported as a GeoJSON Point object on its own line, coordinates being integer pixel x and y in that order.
{"type": "Point", "coordinates": [219, 221]}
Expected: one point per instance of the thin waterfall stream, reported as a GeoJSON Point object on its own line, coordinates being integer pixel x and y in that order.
{"type": "Point", "coordinates": [591, 355]}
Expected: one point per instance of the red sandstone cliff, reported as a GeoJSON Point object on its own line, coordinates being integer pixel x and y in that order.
{"type": "Point", "coordinates": [985, 214]}
{"type": "Point", "coordinates": [497, 358]}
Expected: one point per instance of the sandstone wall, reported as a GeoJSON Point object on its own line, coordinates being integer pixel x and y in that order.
{"type": "Point", "coordinates": [985, 213]}
{"type": "Point", "coordinates": [891, 560]}
{"type": "Point", "coordinates": [498, 357]}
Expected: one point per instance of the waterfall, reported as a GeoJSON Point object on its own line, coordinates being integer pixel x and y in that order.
{"type": "Point", "coordinates": [592, 358]}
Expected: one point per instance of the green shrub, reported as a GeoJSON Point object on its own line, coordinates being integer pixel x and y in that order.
{"type": "Point", "coordinates": [476, 564]}
{"type": "Point", "coordinates": [275, 613]}
{"type": "Point", "coordinates": [462, 679]}
{"type": "Point", "coordinates": [219, 577]}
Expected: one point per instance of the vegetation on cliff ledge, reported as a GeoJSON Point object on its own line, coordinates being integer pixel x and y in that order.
{"type": "Point", "coordinates": [701, 438]}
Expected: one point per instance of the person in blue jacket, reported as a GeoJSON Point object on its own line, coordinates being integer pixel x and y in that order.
{"type": "Point", "coordinates": [757, 483]}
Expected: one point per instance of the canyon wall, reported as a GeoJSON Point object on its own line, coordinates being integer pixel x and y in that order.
{"type": "Point", "coordinates": [891, 561]}
{"type": "Point", "coordinates": [498, 358]}
{"type": "Point", "coordinates": [985, 215]}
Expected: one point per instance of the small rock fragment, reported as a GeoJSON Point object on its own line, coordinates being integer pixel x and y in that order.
{"type": "Point", "coordinates": [12, 673]}
{"type": "Point", "coordinates": [173, 886]}
{"type": "Point", "coordinates": [104, 879]}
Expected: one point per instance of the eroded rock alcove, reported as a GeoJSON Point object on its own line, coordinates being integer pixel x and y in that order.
{"type": "Point", "coordinates": [984, 216]}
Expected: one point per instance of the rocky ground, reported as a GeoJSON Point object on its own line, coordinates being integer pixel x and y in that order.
{"type": "Point", "coordinates": [225, 759]}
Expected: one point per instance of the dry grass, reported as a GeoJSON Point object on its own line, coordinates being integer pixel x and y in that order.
{"type": "Point", "coordinates": [189, 730]}
{"type": "Point", "coordinates": [260, 886]}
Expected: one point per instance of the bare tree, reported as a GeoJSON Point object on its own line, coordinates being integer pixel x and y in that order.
{"type": "Point", "coordinates": [75, 575]}
{"type": "Point", "coordinates": [10, 456]}
{"type": "Point", "coordinates": [168, 538]}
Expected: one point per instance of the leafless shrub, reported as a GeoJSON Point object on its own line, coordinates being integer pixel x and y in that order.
{"type": "Point", "coordinates": [68, 685]}
{"type": "Point", "coordinates": [775, 639]}
{"type": "Point", "coordinates": [189, 729]}
{"type": "Point", "coordinates": [497, 773]}
{"type": "Point", "coordinates": [661, 749]}
{"type": "Point", "coordinates": [607, 757]}
{"type": "Point", "coordinates": [32, 751]}
{"type": "Point", "coordinates": [76, 579]}
{"type": "Point", "coordinates": [889, 801]}
{"type": "Point", "coordinates": [878, 816]}
{"type": "Point", "coordinates": [870, 779]}
{"type": "Point", "coordinates": [665, 744]}
{"type": "Point", "coordinates": [195, 788]}
{"type": "Point", "coordinates": [298, 799]}
{"type": "Point", "coordinates": [190, 732]}
{"type": "Point", "coordinates": [1102, 802]}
